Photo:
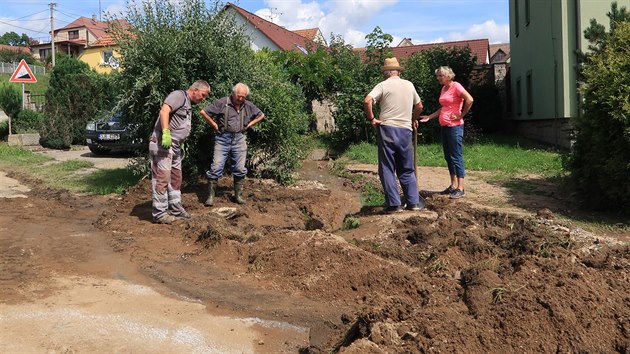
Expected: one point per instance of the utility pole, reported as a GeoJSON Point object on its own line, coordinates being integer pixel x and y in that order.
{"type": "Point", "coordinates": [52, 33]}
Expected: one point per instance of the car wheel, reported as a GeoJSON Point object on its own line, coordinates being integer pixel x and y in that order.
{"type": "Point", "coordinates": [98, 151]}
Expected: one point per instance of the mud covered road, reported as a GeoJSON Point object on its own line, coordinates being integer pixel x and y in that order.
{"type": "Point", "coordinates": [499, 271]}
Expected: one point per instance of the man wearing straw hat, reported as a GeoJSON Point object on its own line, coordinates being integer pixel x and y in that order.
{"type": "Point", "coordinates": [400, 107]}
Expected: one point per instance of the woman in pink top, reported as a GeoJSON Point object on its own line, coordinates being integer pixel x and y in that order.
{"type": "Point", "coordinates": [455, 103]}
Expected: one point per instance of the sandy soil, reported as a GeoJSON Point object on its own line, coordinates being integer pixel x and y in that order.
{"type": "Point", "coordinates": [498, 271]}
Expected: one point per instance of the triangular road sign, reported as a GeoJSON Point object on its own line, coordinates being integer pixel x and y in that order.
{"type": "Point", "coordinates": [23, 73]}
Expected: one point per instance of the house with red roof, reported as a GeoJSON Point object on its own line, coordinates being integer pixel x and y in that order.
{"type": "Point", "coordinates": [87, 39]}
{"type": "Point", "coordinates": [266, 34]}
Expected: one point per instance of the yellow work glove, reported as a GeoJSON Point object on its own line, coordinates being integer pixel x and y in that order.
{"type": "Point", "coordinates": [166, 138]}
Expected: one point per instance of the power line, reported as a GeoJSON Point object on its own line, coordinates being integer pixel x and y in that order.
{"type": "Point", "coordinates": [22, 28]}
{"type": "Point", "coordinates": [20, 18]}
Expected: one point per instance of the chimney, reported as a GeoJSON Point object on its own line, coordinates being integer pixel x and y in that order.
{"type": "Point", "coordinates": [94, 18]}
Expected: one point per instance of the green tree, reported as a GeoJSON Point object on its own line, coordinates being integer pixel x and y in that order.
{"type": "Point", "coordinates": [352, 83]}
{"type": "Point", "coordinates": [170, 45]}
{"type": "Point", "coordinates": [12, 38]}
{"type": "Point", "coordinates": [600, 158]}
{"type": "Point", "coordinates": [420, 70]}
{"type": "Point", "coordinates": [377, 49]}
{"type": "Point", "coordinates": [596, 33]}
{"type": "Point", "coordinates": [312, 72]}
{"type": "Point", "coordinates": [75, 96]}
{"type": "Point", "coordinates": [10, 102]}
{"type": "Point", "coordinates": [13, 56]}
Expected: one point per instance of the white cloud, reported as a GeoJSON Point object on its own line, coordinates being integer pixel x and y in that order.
{"type": "Point", "coordinates": [344, 18]}
{"type": "Point", "coordinates": [489, 29]}
{"type": "Point", "coordinates": [292, 14]}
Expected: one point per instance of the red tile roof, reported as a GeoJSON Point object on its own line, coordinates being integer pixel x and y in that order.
{"type": "Point", "coordinates": [15, 48]}
{"type": "Point", "coordinates": [478, 47]}
{"type": "Point", "coordinates": [503, 47]}
{"type": "Point", "coordinates": [281, 37]}
{"type": "Point", "coordinates": [98, 28]}
{"type": "Point", "coordinates": [309, 33]}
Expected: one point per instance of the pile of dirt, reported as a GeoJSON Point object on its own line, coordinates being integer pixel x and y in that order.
{"type": "Point", "coordinates": [453, 278]}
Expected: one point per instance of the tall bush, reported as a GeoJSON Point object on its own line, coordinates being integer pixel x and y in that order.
{"type": "Point", "coordinates": [27, 121]}
{"type": "Point", "coordinates": [75, 96]}
{"type": "Point", "coordinates": [420, 69]}
{"type": "Point", "coordinates": [170, 45]}
{"type": "Point", "coordinates": [600, 158]}
{"type": "Point", "coordinates": [10, 101]}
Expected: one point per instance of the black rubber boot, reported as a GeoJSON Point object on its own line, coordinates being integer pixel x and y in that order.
{"type": "Point", "coordinates": [238, 191]}
{"type": "Point", "coordinates": [212, 187]}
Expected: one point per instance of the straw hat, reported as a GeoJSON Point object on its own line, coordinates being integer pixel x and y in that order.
{"type": "Point", "coordinates": [392, 64]}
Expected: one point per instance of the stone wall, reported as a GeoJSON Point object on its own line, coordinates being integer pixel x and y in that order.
{"type": "Point", "coordinates": [323, 116]}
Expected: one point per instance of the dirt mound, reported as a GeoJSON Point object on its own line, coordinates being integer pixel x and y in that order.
{"type": "Point", "coordinates": [455, 278]}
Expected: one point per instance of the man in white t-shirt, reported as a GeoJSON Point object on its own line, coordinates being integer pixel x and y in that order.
{"type": "Point", "coordinates": [400, 107]}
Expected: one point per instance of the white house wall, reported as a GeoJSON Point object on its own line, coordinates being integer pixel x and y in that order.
{"type": "Point", "coordinates": [258, 40]}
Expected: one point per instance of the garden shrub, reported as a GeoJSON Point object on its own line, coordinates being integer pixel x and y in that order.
{"type": "Point", "coordinates": [171, 45]}
{"type": "Point", "coordinates": [10, 101]}
{"type": "Point", "coordinates": [600, 158]}
{"type": "Point", "coordinates": [75, 95]}
{"type": "Point", "coordinates": [27, 121]}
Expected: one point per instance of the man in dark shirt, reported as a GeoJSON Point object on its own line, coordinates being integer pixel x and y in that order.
{"type": "Point", "coordinates": [230, 117]}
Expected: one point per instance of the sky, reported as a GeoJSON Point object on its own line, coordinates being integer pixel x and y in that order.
{"type": "Point", "coordinates": [422, 21]}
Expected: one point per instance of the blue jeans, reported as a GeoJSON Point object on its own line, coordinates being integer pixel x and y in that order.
{"type": "Point", "coordinates": [453, 145]}
{"type": "Point", "coordinates": [395, 158]}
{"type": "Point", "coordinates": [234, 146]}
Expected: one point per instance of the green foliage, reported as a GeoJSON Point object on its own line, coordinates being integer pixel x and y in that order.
{"type": "Point", "coordinates": [376, 50]}
{"type": "Point", "coordinates": [352, 86]}
{"type": "Point", "coordinates": [13, 155]}
{"type": "Point", "coordinates": [596, 33]}
{"type": "Point", "coordinates": [12, 38]}
{"type": "Point", "coordinates": [276, 144]}
{"type": "Point", "coordinates": [420, 70]}
{"type": "Point", "coordinates": [27, 122]}
{"type": "Point", "coordinates": [509, 155]}
{"type": "Point", "coordinates": [313, 72]}
{"type": "Point", "coordinates": [4, 129]}
{"type": "Point", "coordinates": [11, 56]}
{"type": "Point", "coordinates": [173, 44]}
{"type": "Point", "coordinates": [109, 181]}
{"type": "Point", "coordinates": [75, 96]}
{"type": "Point", "coordinates": [600, 159]}
{"type": "Point", "coordinates": [350, 223]}
{"type": "Point", "coordinates": [10, 101]}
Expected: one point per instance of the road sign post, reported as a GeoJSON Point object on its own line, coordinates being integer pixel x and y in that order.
{"type": "Point", "coordinates": [22, 74]}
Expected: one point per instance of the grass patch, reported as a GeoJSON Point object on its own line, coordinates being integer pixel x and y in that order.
{"type": "Point", "coordinates": [66, 174]}
{"type": "Point", "coordinates": [350, 223]}
{"type": "Point", "coordinates": [12, 155]}
{"type": "Point", "coordinates": [372, 195]}
{"type": "Point", "coordinates": [507, 155]}
{"type": "Point", "coordinates": [111, 181]}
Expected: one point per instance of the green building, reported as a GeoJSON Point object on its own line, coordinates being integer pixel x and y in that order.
{"type": "Point", "coordinates": [544, 38]}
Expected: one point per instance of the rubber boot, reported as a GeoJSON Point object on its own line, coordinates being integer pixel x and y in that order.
{"type": "Point", "coordinates": [238, 191]}
{"type": "Point", "coordinates": [212, 187]}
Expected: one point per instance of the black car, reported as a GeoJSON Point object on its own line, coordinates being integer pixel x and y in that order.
{"type": "Point", "coordinates": [110, 134]}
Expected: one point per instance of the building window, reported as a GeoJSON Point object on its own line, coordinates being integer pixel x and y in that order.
{"type": "Point", "coordinates": [518, 96]}
{"type": "Point", "coordinates": [516, 17]}
{"type": "Point", "coordinates": [45, 53]}
{"type": "Point", "coordinates": [529, 92]}
{"type": "Point", "coordinates": [73, 34]}
{"type": "Point", "coordinates": [105, 55]}
{"type": "Point", "coordinates": [527, 12]}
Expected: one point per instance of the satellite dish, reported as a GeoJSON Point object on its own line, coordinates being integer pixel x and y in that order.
{"type": "Point", "coordinates": [113, 63]}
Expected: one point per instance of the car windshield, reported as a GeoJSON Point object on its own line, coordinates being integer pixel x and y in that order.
{"type": "Point", "coordinates": [116, 118]}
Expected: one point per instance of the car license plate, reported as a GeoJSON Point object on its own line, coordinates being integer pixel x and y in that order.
{"type": "Point", "coordinates": [109, 136]}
